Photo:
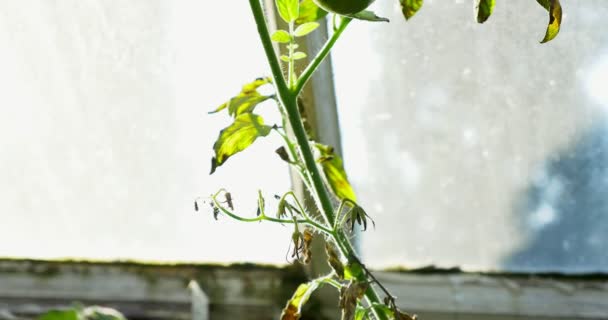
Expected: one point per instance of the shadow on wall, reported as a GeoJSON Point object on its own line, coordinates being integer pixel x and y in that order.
{"type": "Point", "coordinates": [564, 211]}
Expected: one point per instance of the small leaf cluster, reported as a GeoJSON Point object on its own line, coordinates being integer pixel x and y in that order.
{"type": "Point", "coordinates": [301, 20]}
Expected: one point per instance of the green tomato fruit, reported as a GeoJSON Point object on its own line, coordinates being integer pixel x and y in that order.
{"type": "Point", "coordinates": [344, 7]}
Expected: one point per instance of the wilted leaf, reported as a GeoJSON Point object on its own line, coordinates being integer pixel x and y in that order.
{"type": "Point", "coordinates": [334, 261]}
{"type": "Point", "coordinates": [357, 214]}
{"type": "Point", "coordinates": [309, 12]}
{"type": "Point", "coordinates": [307, 250]}
{"type": "Point", "coordinates": [334, 173]}
{"type": "Point", "coordinates": [349, 298]}
{"type": "Point", "coordinates": [288, 9]}
{"type": "Point", "coordinates": [60, 315]}
{"type": "Point", "coordinates": [483, 9]}
{"type": "Point", "coordinates": [300, 297]}
{"type": "Point", "coordinates": [281, 207]}
{"type": "Point", "coordinates": [237, 137]}
{"type": "Point", "coordinates": [305, 29]}
{"type": "Point", "coordinates": [367, 15]}
{"type": "Point", "coordinates": [261, 203]}
{"type": "Point", "coordinates": [555, 18]}
{"type": "Point", "coordinates": [283, 154]}
{"type": "Point", "coordinates": [410, 7]}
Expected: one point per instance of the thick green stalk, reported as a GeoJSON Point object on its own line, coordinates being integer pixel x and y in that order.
{"type": "Point", "coordinates": [288, 99]}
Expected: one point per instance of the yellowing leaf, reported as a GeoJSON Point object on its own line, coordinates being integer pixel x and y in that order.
{"type": "Point", "coordinates": [555, 18]}
{"type": "Point", "coordinates": [300, 297]}
{"type": "Point", "coordinates": [483, 9]}
{"type": "Point", "coordinates": [309, 12]}
{"type": "Point", "coordinates": [410, 7]}
{"type": "Point", "coordinates": [245, 129]}
{"type": "Point", "coordinates": [252, 86]}
{"type": "Point", "coordinates": [245, 103]}
{"type": "Point", "coordinates": [246, 100]}
{"type": "Point", "coordinates": [335, 174]}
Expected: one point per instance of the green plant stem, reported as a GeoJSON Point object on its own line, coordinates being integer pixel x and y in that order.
{"type": "Point", "coordinates": [292, 63]}
{"type": "Point", "coordinates": [288, 99]}
{"type": "Point", "coordinates": [314, 64]}
{"type": "Point", "coordinates": [263, 217]}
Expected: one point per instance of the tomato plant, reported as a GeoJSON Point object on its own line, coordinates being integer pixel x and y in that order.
{"type": "Point", "coordinates": [362, 296]}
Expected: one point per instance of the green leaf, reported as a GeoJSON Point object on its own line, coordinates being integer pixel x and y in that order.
{"type": "Point", "coordinates": [483, 9]}
{"type": "Point", "coordinates": [293, 309]}
{"type": "Point", "coordinates": [334, 173]}
{"type": "Point", "coordinates": [309, 12]}
{"type": "Point", "coordinates": [288, 9]}
{"type": "Point", "coordinates": [410, 7]}
{"type": "Point", "coordinates": [388, 312]}
{"type": "Point", "coordinates": [237, 137]}
{"type": "Point", "coordinates": [353, 271]}
{"type": "Point", "coordinates": [367, 15]}
{"type": "Point", "coordinates": [555, 18]}
{"type": "Point", "coordinates": [285, 58]}
{"type": "Point", "coordinates": [60, 315]}
{"type": "Point", "coordinates": [361, 314]}
{"type": "Point", "coordinates": [299, 55]}
{"type": "Point", "coordinates": [281, 36]}
{"type": "Point", "coordinates": [305, 29]}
